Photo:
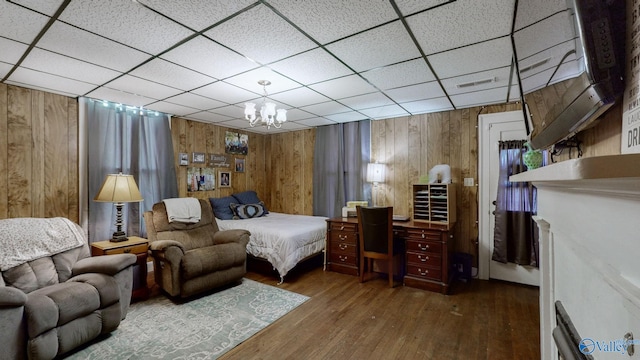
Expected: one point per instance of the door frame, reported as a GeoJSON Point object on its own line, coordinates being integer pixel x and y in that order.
{"type": "Point", "coordinates": [484, 125]}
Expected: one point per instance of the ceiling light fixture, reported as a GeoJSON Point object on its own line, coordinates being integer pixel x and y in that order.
{"type": "Point", "coordinates": [268, 113]}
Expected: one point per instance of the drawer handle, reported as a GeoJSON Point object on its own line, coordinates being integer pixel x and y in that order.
{"type": "Point", "coordinates": [127, 250]}
{"type": "Point", "coordinates": [421, 247]}
{"type": "Point", "coordinates": [423, 235]}
{"type": "Point", "coordinates": [342, 227]}
{"type": "Point", "coordinates": [423, 273]}
{"type": "Point", "coordinates": [423, 259]}
{"type": "Point", "coordinates": [342, 237]}
{"type": "Point", "coordinates": [343, 258]}
{"type": "Point", "coordinates": [342, 246]}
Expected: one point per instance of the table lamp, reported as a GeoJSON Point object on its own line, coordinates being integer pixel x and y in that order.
{"type": "Point", "coordinates": [119, 189]}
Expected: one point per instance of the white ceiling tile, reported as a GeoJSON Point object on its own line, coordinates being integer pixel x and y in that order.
{"type": "Point", "coordinates": [329, 20]}
{"type": "Point", "coordinates": [207, 57]}
{"type": "Point", "coordinates": [231, 111]}
{"type": "Point", "coordinates": [316, 121]}
{"type": "Point", "coordinates": [209, 117]}
{"type": "Point", "coordinates": [416, 92]}
{"type": "Point", "coordinates": [384, 112]}
{"type": "Point", "coordinates": [237, 124]}
{"type": "Point", "coordinates": [47, 7]}
{"type": "Point", "coordinates": [545, 34]}
{"type": "Point", "coordinates": [408, 7]}
{"type": "Point", "coordinates": [497, 77]}
{"type": "Point", "coordinates": [127, 22]}
{"type": "Point", "coordinates": [464, 22]}
{"type": "Point", "coordinates": [469, 59]}
{"type": "Point", "coordinates": [347, 117]}
{"type": "Point", "coordinates": [514, 93]}
{"type": "Point", "coordinates": [301, 96]}
{"type": "Point", "coordinates": [484, 97]}
{"type": "Point", "coordinates": [343, 87]}
{"type": "Point", "coordinates": [197, 14]}
{"type": "Point", "coordinates": [327, 108]}
{"type": "Point", "coordinates": [541, 8]}
{"type": "Point", "coordinates": [20, 24]}
{"type": "Point", "coordinates": [403, 74]}
{"type": "Point", "coordinates": [325, 67]}
{"type": "Point", "coordinates": [226, 93]}
{"type": "Point", "coordinates": [4, 69]}
{"type": "Point", "coordinates": [272, 38]}
{"type": "Point", "coordinates": [428, 106]}
{"type": "Point", "coordinates": [67, 40]}
{"type": "Point", "coordinates": [166, 73]}
{"type": "Point", "coordinates": [122, 97]}
{"type": "Point", "coordinates": [366, 101]}
{"type": "Point", "coordinates": [173, 109]}
{"type": "Point", "coordinates": [195, 101]}
{"type": "Point", "coordinates": [11, 50]}
{"type": "Point", "coordinates": [36, 87]}
{"type": "Point", "coordinates": [249, 81]}
{"type": "Point", "coordinates": [381, 46]}
{"type": "Point", "coordinates": [52, 63]}
{"type": "Point", "coordinates": [53, 83]}
{"type": "Point", "coordinates": [297, 114]}
{"type": "Point", "coordinates": [142, 87]}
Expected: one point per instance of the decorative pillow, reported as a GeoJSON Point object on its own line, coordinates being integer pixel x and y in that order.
{"type": "Point", "coordinates": [249, 197]}
{"type": "Point", "coordinates": [221, 207]}
{"type": "Point", "coordinates": [247, 211]}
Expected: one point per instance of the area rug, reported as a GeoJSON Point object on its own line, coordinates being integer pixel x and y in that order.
{"type": "Point", "coordinates": [204, 328]}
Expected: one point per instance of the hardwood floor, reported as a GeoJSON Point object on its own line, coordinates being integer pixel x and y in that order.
{"type": "Point", "coordinates": [344, 319]}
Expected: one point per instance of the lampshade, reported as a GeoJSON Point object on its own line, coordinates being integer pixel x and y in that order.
{"type": "Point", "coordinates": [375, 173]}
{"type": "Point", "coordinates": [119, 188]}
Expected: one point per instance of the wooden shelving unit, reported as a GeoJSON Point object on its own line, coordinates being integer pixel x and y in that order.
{"type": "Point", "coordinates": [434, 203]}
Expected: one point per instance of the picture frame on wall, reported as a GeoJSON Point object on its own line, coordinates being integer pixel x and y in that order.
{"type": "Point", "coordinates": [184, 159]}
{"type": "Point", "coordinates": [224, 179]}
{"type": "Point", "coordinates": [240, 165]}
{"type": "Point", "coordinates": [198, 158]}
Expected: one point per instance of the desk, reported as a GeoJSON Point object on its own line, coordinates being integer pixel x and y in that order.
{"type": "Point", "coordinates": [428, 249]}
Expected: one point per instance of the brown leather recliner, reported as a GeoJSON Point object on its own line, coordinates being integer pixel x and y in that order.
{"type": "Point", "coordinates": [189, 259]}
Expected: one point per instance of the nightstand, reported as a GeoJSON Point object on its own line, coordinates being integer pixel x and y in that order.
{"type": "Point", "coordinates": [133, 245]}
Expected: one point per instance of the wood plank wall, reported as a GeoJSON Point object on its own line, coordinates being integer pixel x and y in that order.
{"type": "Point", "coordinates": [38, 154]}
{"type": "Point", "coordinates": [192, 136]}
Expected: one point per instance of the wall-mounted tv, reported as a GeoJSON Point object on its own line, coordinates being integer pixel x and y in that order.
{"type": "Point", "coordinates": [581, 42]}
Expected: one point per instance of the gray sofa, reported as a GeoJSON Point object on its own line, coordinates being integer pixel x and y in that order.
{"type": "Point", "coordinates": [189, 259]}
{"type": "Point", "coordinates": [53, 304]}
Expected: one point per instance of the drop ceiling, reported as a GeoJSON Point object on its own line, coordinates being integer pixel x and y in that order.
{"type": "Point", "coordinates": [329, 61]}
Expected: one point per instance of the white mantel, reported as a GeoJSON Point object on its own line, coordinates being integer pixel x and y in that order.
{"type": "Point", "coordinates": [589, 217]}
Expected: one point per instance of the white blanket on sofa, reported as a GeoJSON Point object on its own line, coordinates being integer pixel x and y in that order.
{"type": "Point", "coordinates": [26, 239]}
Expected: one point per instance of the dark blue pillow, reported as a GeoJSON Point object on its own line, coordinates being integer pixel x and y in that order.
{"type": "Point", "coordinates": [221, 207]}
{"type": "Point", "coordinates": [249, 197]}
{"type": "Point", "coordinates": [247, 211]}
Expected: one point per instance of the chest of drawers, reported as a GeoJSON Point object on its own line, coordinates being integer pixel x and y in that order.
{"type": "Point", "coordinates": [342, 246]}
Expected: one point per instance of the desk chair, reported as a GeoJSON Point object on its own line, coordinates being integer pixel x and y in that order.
{"type": "Point", "coordinates": [375, 228]}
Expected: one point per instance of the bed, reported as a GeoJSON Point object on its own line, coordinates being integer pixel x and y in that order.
{"type": "Point", "coordinates": [283, 240]}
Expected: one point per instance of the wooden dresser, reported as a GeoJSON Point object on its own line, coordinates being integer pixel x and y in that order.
{"type": "Point", "coordinates": [428, 250]}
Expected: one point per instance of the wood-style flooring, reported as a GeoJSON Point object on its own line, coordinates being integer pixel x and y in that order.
{"type": "Point", "coordinates": [345, 319]}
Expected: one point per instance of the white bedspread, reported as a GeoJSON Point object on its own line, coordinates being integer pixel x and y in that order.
{"type": "Point", "coordinates": [282, 239]}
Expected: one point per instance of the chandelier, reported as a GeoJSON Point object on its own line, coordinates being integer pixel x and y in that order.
{"type": "Point", "coordinates": [268, 113]}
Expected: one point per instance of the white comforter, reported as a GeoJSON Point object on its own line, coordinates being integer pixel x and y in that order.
{"type": "Point", "coordinates": [282, 239]}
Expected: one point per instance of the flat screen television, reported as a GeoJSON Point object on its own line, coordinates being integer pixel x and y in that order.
{"type": "Point", "coordinates": [581, 42]}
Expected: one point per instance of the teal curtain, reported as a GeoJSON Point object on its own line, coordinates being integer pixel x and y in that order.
{"type": "Point", "coordinates": [124, 139]}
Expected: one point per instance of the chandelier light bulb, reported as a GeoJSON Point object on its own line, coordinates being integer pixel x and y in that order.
{"type": "Point", "coordinates": [269, 115]}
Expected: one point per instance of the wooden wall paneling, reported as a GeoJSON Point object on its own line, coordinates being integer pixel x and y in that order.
{"type": "Point", "coordinates": [73, 192]}
{"type": "Point", "coordinates": [390, 176]}
{"type": "Point", "coordinates": [179, 140]}
{"type": "Point", "coordinates": [4, 153]}
{"type": "Point", "coordinates": [269, 173]}
{"type": "Point", "coordinates": [416, 161]}
{"type": "Point", "coordinates": [296, 170]}
{"type": "Point", "coordinates": [308, 158]}
{"type": "Point", "coordinates": [455, 162]}
{"type": "Point", "coordinates": [41, 154]}
{"type": "Point", "coordinates": [402, 187]}
{"type": "Point", "coordinates": [378, 134]}
{"type": "Point", "coordinates": [57, 156]}
{"type": "Point", "coordinates": [19, 152]}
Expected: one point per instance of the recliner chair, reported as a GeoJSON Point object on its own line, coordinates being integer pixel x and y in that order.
{"type": "Point", "coordinates": [191, 258]}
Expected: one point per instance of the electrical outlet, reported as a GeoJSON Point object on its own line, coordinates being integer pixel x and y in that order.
{"type": "Point", "coordinates": [468, 182]}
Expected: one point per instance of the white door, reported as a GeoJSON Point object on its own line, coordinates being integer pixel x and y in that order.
{"type": "Point", "coordinates": [493, 128]}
